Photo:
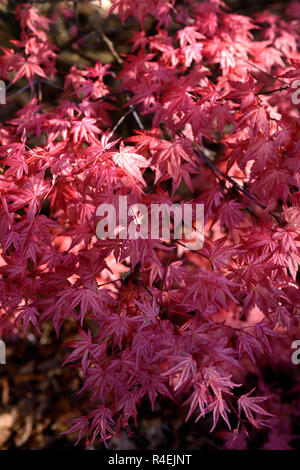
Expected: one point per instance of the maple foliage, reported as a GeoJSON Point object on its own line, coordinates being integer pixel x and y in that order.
{"type": "Point", "coordinates": [211, 94]}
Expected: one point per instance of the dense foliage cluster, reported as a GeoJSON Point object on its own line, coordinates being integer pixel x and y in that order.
{"type": "Point", "coordinates": [211, 93]}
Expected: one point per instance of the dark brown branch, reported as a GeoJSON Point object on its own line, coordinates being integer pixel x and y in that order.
{"type": "Point", "coordinates": [269, 92]}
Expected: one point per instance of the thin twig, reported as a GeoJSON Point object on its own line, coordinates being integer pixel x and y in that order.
{"type": "Point", "coordinates": [239, 188]}
{"type": "Point", "coordinates": [259, 68]}
{"type": "Point", "coordinates": [120, 122]}
{"type": "Point", "coordinates": [271, 91]}
{"type": "Point", "coordinates": [110, 45]}
{"type": "Point", "coordinates": [120, 61]}
{"type": "Point", "coordinates": [10, 95]}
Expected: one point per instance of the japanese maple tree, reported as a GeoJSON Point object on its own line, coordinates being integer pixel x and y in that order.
{"type": "Point", "coordinates": [209, 97]}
